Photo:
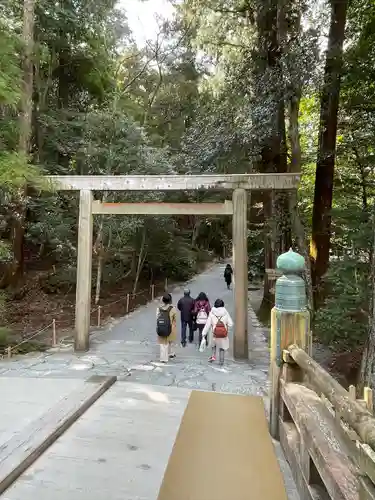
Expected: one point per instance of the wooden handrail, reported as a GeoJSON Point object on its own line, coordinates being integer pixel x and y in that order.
{"type": "Point", "coordinates": [357, 416]}
{"type": "Point", "coordinates": [316, 440]}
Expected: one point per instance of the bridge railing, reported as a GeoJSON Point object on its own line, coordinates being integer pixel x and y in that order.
{"type": "Point", "coordinates": [327, 436]}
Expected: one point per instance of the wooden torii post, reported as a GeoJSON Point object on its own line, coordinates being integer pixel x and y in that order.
{"type": "Point", "coordinates": [239, 184]}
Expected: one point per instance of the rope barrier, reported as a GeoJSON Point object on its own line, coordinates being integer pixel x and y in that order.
{"type": "Point", "coordinates": [129, 296]}
{"type": "Point", "coordinates": [10, 349]}
{"type": "Point", "coordinates": [33, 335]}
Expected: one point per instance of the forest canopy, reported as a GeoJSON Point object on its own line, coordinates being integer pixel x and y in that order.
{"type": "Point", "coordinates": [225, 87]}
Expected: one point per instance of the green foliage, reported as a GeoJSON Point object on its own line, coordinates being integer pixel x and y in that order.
{"type": "Point", "coordinates": [16, 172]}
{"type": "Point", "coordinates": [10, 74]}
{"type": "Point", "coordinates": [4, 338]}
{"type": "Point", "coordinates": [204, 97]}
{"type": "Point", "coordinates": [10, 90]}
{"type": "Point", "coordinates": [343, 321]}
{"type": "Point", "coordinates": [255, 251]}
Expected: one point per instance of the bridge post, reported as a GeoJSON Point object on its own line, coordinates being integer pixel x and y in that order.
{"type": "Point", "coordinates": [84, 265]}
{"type": "Point", "coordinates": [290, 324]}
{"type": "Point", "coordinates": [240, 340]}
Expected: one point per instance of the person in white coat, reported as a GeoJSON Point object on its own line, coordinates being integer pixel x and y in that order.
{"type": "Point", "coordinates": [216, 330]}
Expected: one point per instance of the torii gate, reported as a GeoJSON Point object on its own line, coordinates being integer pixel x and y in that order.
{"type": "Point", "coordinates": [237, 207]}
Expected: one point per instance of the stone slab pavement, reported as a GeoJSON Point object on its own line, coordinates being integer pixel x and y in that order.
{"type": "Point", "coordinates": [128, 349]}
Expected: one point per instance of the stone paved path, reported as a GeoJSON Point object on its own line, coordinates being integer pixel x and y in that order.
{"type": "Point", "coordinates": [127, 348]}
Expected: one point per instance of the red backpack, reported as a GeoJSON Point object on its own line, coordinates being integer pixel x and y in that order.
{"type": "Point", "coordinates": [220, 330]}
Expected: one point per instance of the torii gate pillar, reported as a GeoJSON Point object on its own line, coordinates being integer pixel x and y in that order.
{"type": "Point", "coordinates": [239, 236]}
{"type": "Point", "coordinates": [84, 261]}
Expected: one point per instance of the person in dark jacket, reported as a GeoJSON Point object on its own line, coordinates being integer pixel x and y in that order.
{"type": "Point", "coordinates": [228, 275]}
{"type": "Point", "coordinates": [202, 309]}
{"type": "Point", "coordinates": [186, 307]}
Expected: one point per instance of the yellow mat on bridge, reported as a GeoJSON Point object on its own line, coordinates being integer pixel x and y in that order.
{"type": "Point", "coordinates": [223, 451]}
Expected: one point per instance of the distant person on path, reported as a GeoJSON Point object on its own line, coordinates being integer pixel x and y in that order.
{"type": "Point", "coordinates": [202, 309]}
{"type": "Point", "coordinates": [166, 327]}
{"type": "Point", "coordinates": [216, 330]}
{"type": "Point", "coordinates": [186, 307]}
{"type": "Point", "coordinates": [228, 272]}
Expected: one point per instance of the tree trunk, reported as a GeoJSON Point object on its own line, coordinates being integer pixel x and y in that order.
{"type": "Point", "coordinates": [153, 96]}
{"type": "Point", "coordinates": [295, 166]}
{"type": "Point", "coordinates": [269, 253]}
{"type": "Point", "coordinates": [282, 212]}
{"type": "Point", "coordinates": [363, 176]}
{"type": "Point", "coordinates": [99, 247]}
{"type": "Point", "coordinates": [368, 356]}
{"type": "Point", "coordinates": [100, 251]}
{"type": "Point", "coordinates": [141, 260]}
{"type": "Point", "coordinates": [99, 273]}
{"type": "Point", "coordinates": [329, 105]}
{"type": "Point", "coordinates": [195, 233]}
{"type": "Point", "coordinates": [16, 270]}
{"type": "Point", "coordinates": [28, 77]}
{"type": "Point", "coordinates": [273, 148]}
{"type": "Point", "coordinates": [101, 261]}
{"type": "Point", "coordinates": [63, 85]}
{"type": "Point", "coordinates": [293, 132]}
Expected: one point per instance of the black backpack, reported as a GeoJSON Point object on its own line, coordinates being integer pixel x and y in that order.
{"type": "Point", "coordinates": [163, 322]}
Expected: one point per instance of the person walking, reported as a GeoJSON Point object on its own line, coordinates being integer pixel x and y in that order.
{"type": "Point", "coordinates": [186, 307]}
{"type": "Point", "coordinates": [166, 327]}
{"type": "Point", "coordinates": [228, 272]}
{"type": "Point", "coordinates": [215, 331]}
{"type": "Point", "coordinates": [202, 309]}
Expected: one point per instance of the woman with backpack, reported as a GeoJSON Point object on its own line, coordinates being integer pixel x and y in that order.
{"type": "Point", "coordinates": [216, 329]}
{"type": "Point", "coordinates": [202, 309]}
{"type": "Point", "coordinates": [166, 327]}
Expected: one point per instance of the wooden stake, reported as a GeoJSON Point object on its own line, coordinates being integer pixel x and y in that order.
{"type": "Point", "coordinates": [9, 352]}
{"type": "Point", "coordinates": [99, 314]}
{"type": "Point", "coordinates": [127, 302]}
{"type": "Point", "coordinates": [152, 292]}
{"type": "Point", "coordinates": [166, 284]}
{"type": "Point", "coordinates": [54, 342]}
{"type": "Point", "coordinates": [367, 396]}
{"type": "Point", "coordinates": [352, 392]}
